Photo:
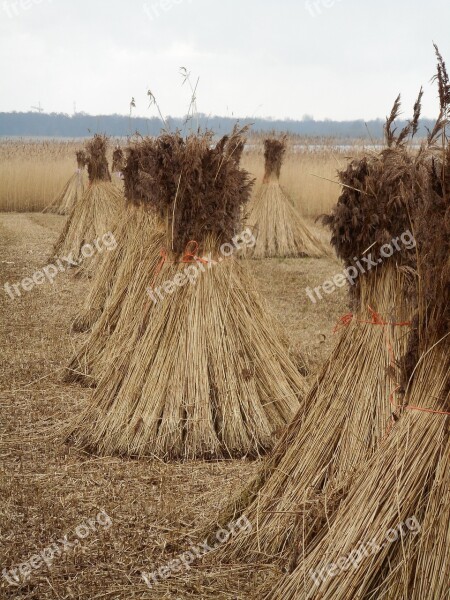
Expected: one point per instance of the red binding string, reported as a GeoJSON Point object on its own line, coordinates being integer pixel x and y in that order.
{"type": "Point", "coordinates": [377, 319]}
{"type": "Point", "coordinates": [189, 257]}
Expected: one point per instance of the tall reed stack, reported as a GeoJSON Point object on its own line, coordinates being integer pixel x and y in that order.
{"type": "Point", "coordinates": [348, 413]}
{"type": "Point", "coordinates": [202, 370]}
{"type": "Point", "coordinates": [408, 478]}
{"type": "Point", "coordinates": [96, 212]}
{"type": "Point", "coordinates": [280, 229]}
{"type": "Point", "coordinates": [72, 192]}
{"type": "Point", "coordinates": [118, 275]}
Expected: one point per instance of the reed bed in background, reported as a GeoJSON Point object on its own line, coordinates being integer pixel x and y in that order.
{"type": "Point", "coordinates": [73, 190]}
{"type": "Point", "coordinates": [32, 173]}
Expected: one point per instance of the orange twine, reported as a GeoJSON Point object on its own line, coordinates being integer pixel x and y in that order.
{"type": "Point", "coordinates": [189, 257]}
{"type": "Point", "coordinates": [378, 320]}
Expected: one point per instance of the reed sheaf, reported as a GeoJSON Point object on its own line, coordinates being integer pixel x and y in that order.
{"type": "Point", "coordinates": [96, 212]}
{"type": "Point", "coordinates": [206, 371]}
{"type": "Point", "coordinates": [119, 277]}
{"type": "Point", "coordinates": [408, 476]}
{"type": "Point", "coordinates": [333, 478]}
{"type": "Point", "coordinates": [72, 192]}
{"type": "Point", "coordinates": [280, 229]}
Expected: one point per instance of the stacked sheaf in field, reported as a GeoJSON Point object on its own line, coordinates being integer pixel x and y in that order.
{"type": "Point", "coordinates": [366, 459]}
{"type": "Point", "coordinates": [118, 277]}
{"type": "Point", "coordinates": [408, 478]}
{"type": "Point", "coordinates": [278, 226]}
{"type": "Point", "coordinates": [72, 192]}
{"type": "Point", "coordinates": [96, 212]}
{"type": "Point", "coordinates": [203, 371]}
{"type": "Point", "coordinates": [348, 413]}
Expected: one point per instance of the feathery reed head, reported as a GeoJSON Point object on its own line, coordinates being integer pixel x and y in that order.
{"type": "Point", "coordinates": [198, 187]}
{"type": "Point", "coordinates": [379, 191]}
{"type": "Point", "coordinates": [130, 171]}
{"type": "Point", "coordinates": [97, 162]}
{"type": "Point", "coordinates": [432, 222]}
{"type": "Point", "coordinates": [81, 159]}
{"type": "Point", "coordinates": [274, 151]}
{"type": "Point", "coordinates": [118, 161]}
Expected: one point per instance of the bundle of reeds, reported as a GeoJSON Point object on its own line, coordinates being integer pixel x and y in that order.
{"type": "Point", "coordinates": [72, 192]}
{"type": "Point", "coordinates": [408, 478]}
{"type": "Point", "coordinates": [350, 409]}
{"type": "Point", "coordinates": [95, 213]}
{"type": "Point", "coordinates": [279, 228]}
{"type": "Point", "coordinates": [362, 546]}
{"type": "Point", "coordinates": [204, 370]}
{"type": "Point", "coordinates": [117, 269]}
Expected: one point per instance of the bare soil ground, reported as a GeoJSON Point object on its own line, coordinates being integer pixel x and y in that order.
{"type": "Point", "coordinates": [48, 489]}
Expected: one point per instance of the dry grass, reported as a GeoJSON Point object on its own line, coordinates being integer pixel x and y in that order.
{"type": "Point", "coordinates": [33, 173]}
{"type": "Point", "coordinates": [47, 489]}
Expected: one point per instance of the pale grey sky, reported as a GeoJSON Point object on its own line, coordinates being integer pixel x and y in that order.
{"type": "Point", "coordinates": [341, 59]}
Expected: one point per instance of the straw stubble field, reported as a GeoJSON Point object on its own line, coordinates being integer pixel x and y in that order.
{"type": "Point", "coordinates": [49, 488]}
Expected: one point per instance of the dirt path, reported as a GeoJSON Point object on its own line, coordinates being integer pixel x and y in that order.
{"type": "Point", "coordinates": [48, 489]}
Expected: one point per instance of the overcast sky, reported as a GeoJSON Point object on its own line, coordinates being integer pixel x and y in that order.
{"type": "Point", "coordinates": [338, 59]}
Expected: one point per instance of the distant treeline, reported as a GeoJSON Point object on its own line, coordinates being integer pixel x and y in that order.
{"type": "Point", "coordinates": [58, 125]}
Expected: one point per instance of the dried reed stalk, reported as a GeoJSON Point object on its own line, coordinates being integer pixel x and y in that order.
{"type": "Point", "coordinates": [118, 162]}
{"type": "Point", "coordinates": [119, 308]}
{"type": "Point", "coordinates": [420, 566]}
{"type": "Point", "coordinates": [72, 192]}
{"type": "Point", "coordinates": [131, 235]}
{"type": "Point", "coordinates": [117, 271]}
{"type": "Point", "coordinates": [278, 226]}
{"type": "Point", "coordinates": [392, 487]}
{"type": "Point", "coordinates": [92, 217]}
{"type": "Point", "coordinates": [349, 409]}
{"type": "Point", "coordinates": [207, 375]}
{"type": "Point", "coordinates": [408, 474]}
